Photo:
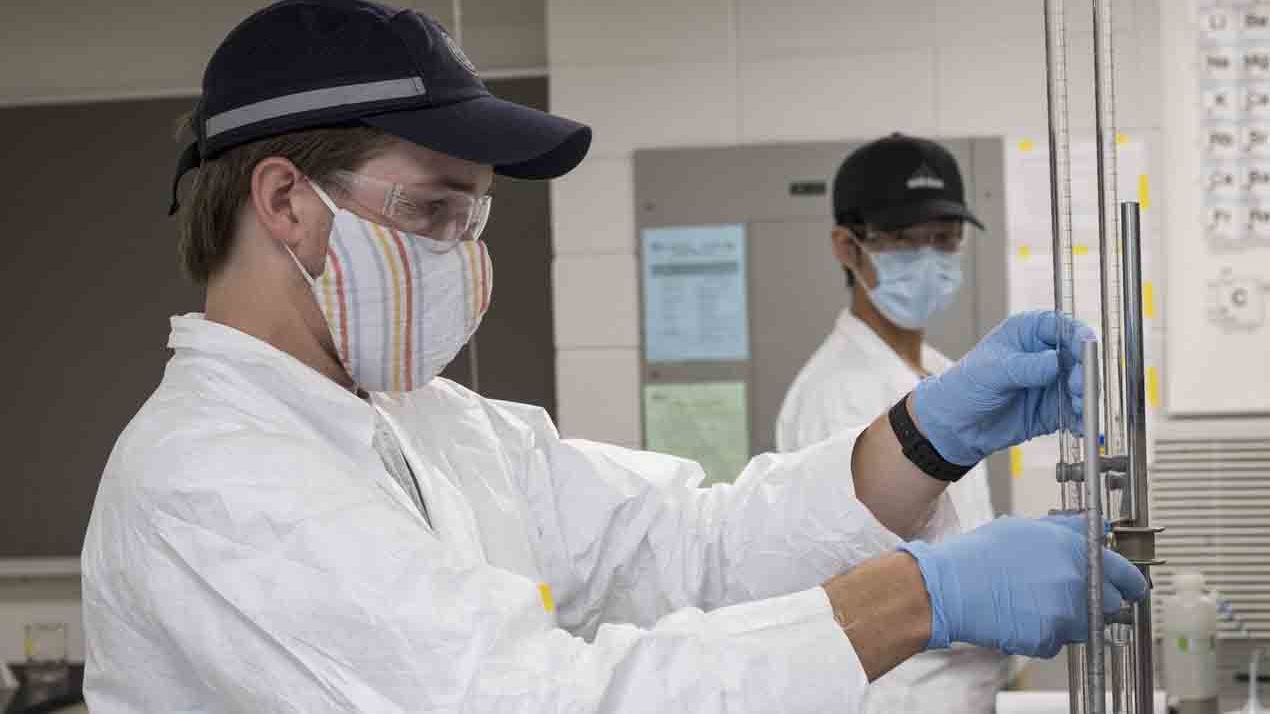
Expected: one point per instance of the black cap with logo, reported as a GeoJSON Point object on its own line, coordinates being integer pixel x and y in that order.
{"type": "Point", "coordinates": [898, 181]}
{"type": "Point", "coordinates": [304, 64]}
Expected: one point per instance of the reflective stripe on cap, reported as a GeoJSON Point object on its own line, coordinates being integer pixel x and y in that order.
{"type": "Point", "coordinates": [312, 100]}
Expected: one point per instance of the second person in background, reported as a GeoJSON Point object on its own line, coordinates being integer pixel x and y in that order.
{"type": "Point", "coordinates": [899, 218]}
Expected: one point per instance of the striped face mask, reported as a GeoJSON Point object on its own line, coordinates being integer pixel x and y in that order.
{"type": "Point", "coordinates": [399, 306]}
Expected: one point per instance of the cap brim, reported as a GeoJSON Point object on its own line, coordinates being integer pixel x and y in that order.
{"type": "Point", "coordinates": [935, 209]}
{"type": "Point", "coordinates": [516, 140]}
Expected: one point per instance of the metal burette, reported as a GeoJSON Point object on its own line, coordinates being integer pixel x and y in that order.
{"type": "Point", "coordinates": [1107, 481]}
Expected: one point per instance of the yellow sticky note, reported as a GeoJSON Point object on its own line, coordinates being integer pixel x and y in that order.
{"type": "Point", "coordinates": [1144, 192]}
{"type": "Point", "coordinates": [1080, 250]}
{"type": "Point", "coordinates": [548, 602]}
{"type": "Point", "coordinates": [1153, 387]}
{"type": "Point", "coordinates": [1016, 462]}
{"type": "Point", "coordinates": [1026, 145]}
{"type": "Point", "coordinates": [1122, 139]}
{"type": "Point", "coordinates": [1148, 300]}
{"type": "Point", "coordinates": [1025, 251]}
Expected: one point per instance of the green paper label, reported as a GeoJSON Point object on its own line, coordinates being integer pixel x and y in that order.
{"type": "Point", "coordinates": [1188, 644]}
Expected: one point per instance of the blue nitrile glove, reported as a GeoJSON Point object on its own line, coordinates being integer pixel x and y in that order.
{"type": "Point", "coordinates": [1004, 391]}
{"type": "Point", "coordinates": [1017, 585]}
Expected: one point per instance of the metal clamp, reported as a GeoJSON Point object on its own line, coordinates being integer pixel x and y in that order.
{"type": "Point", "coordinates": [1137, 543]}
{"type": "Point", "coordinates": [1114, 467]}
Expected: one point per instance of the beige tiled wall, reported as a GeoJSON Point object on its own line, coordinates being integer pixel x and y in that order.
{"type": "Point", "coordinates": [813, 98]}
{"type": "Point", "coordinates": [613, 372]}
{"type": "Point", "coordinates": [595, 302]}
{"type": "Point", "coordinates": [593, 209]}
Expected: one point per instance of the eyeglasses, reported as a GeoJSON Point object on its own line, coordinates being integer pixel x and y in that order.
{"type": "Point", "coordinates": [944, 236]}
{"type": "Point", "coordinates": [444, 216]}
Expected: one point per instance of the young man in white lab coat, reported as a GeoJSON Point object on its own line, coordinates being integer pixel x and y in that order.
{"type": "Point", "coordinates": [304, 518]}
{"type": "Point", "coordinates": [900, 213]}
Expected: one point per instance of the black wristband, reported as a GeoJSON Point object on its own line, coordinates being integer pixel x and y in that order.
{"type": "Point", "coordinates": [918, 449]}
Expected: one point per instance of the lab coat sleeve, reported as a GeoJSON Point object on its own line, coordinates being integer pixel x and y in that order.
{"type": "Point", "coordinates": [286, 585]}
{"type": "Point", "coordinates": [629, 536]}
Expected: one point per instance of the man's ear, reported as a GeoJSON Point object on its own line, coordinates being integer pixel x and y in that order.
{"type": "Point", "coordinates": [276, 200]}
{"type": "Point", "coordinates": [289, 211]}
{"type": "Point", "coordinates": [845, 248]}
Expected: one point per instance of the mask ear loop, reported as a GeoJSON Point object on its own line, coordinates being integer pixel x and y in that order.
{"type": "Point", "coordinates": [861, 251]}
{"type": "Point", "coordinates": [312, 281]}
{"type": "Point", "coordinates": [322, 195]}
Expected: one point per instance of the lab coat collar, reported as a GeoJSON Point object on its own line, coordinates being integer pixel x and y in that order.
{"type": "Point", "coordinates": [862, 336]}
{"type": "Point", "coordinates": [857, 333]}
{"type": "Point", "coordinates": [333, 409]}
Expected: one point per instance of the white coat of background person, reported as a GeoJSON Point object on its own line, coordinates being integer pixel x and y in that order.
{"type": "Point", "coordinates": [304, 518]}
{"type": "Point", "coordinates": [899, 212]}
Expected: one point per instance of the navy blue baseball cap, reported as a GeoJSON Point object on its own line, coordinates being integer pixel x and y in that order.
{"type": "Point", "coordinates": [898, 181]}
{"type": "Point", "coordinates": [305, 64]}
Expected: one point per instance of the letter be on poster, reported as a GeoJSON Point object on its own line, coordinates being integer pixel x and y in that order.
{"type": "Point", "coordinates": [694, 294]}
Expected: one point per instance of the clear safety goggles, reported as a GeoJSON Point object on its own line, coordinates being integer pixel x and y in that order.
{"type": "Point", "coordinates": [446, 217]}
{"type": "Point", "coordinates": [944, 236]}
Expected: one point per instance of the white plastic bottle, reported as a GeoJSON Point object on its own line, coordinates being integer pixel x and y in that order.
{"type": "Point", "coordinates": [1190, 640]}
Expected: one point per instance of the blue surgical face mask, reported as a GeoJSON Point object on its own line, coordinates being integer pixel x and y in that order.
{"type": "Point", "coordinates": [913, 285]}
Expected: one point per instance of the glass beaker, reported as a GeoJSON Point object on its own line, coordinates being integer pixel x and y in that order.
{"type": "Point", "coordinates": [45, 646]}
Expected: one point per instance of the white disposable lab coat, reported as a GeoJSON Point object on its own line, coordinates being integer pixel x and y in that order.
{"type": "Point", "coordinates": [849, 380]}
{"type": "Point", "coordinates": [248, 552]}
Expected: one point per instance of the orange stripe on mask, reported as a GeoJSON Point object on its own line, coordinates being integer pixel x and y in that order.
{"type": "Point", "coordinates": [407, 269]}
{"type": "Point", "coordinates": [395, 270]}
{"type": "Point", "coordinates": [473, 279]}
{"type": "Point", "coordinates": [485, 277]}
{"type": "Point", "coordinates": [341, 302]}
